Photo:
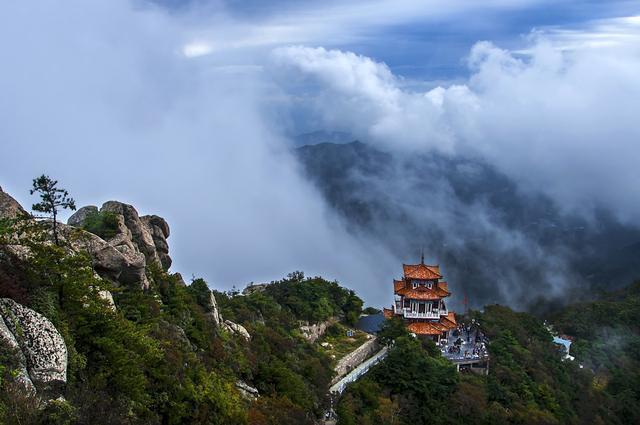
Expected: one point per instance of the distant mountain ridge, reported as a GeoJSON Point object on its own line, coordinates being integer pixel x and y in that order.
{"type": "Point", "coordinates": [496, 243]}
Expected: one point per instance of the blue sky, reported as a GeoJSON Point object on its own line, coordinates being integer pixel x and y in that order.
{"type": "Point", "coordinates": [428, 40]}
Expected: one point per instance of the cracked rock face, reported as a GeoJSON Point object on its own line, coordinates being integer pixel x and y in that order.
{"type": "Point", "coordinates": [215, 312]}
{"type": "Point", "coordinates": [41, 350]}
{"type": "Point", "coordinates": [228, 325]}
{"type": "Point", "coordinates": [125, 266]}
{"type": "Point", "coordinates": [146, 235]}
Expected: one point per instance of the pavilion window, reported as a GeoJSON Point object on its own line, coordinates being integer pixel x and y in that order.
{"type": "Point", "coordinates": [421, 308]}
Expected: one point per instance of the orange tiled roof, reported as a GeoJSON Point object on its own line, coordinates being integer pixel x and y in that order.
{"type": "Point", "coordinates": [397, 285]}
{"type": "Point", "coordinates": [421, 271]}
{"type": "Point", "coordinates": [426, 328]}
{"type": "Point", "coordinates": [450, 320]}
{"type": "Point", "coordinates": [422, 293]}
{"type": "Point", "coordinates": [444, 285]}
{"type": "Point", "coordinates": [432, 328]}
{"type": "Point", "coordinates": [387, 312]}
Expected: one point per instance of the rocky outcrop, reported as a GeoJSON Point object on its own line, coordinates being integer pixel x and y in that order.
{"type": "Point", "coordinates": [254, 287]}
{"type": "Point", "coordinates": [159, 229]}
{"type": "Point", "coordinates": [247, 391]}
{"type": "Point", "coordinates": [311, 332]}
{"type": "Point", "coordinates": [147, 234]}
{"type": "Point", "coordinates": [138, 242]}
{"type": "Point", "coordinates": [214, 312]}
{"type": "Point", "coordinates": [79, 217]}
{"type": "Point", "coordinates": [215, 316]}
{"type": "Point", "coordinates": [237, 329]}
{"type": "Point", "coordinates": [42, 351]}
{"type": "Point", "coordinates": [179, 279]}
{"type": "Point", "coordinates": [8, 340]}
{"type": "Point", "coordinates": [126, 266]}
{"type": "Point", "coordinates": [9, 207]}
{"type": "Point", "coordinates": [108, 297]}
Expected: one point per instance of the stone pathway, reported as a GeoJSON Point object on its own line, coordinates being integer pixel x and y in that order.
{"type": "Point", "coordinates": [356, 373]}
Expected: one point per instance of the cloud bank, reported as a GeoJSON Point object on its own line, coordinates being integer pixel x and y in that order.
{"type": "Point", "coordinates": [114, 110]}
{"type": "Point", "coordinates": [561, 123]}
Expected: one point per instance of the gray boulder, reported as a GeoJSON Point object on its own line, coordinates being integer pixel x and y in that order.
{"type": "Point", "coordinates": [9, 340]}
{"type": "Point", "coordinates": [214, 312]}
{"type": "Point", "coordinates": [124, 266]}
{"type": "Point", "coordinates": [77, 219]}
{"type": "Point", "coordinates": [136, 235]}
{"type": "Point", "coordinates": [179, 279]}
{"type": "Point", "coordinates": [159, 230]}
{"type": "Point", "coordinates": [9, 207]}
{"type": "Point", "coordinates": [42, 348]}
{"type": "Point", "coordinates": [237, 329]}
{"type": "Point", "coordinates": [247, 391]}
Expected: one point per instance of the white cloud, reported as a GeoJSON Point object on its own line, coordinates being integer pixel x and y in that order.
{"type": "Point", "coordinates": [108, 108]}
{"type": "Point", "coordinates": [560, 123]}
{"type": "Point", "coordinates": [595, 34]}
{"type": "Point", "coordinates": [197, 48]}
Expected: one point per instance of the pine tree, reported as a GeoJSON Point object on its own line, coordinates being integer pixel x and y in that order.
{"type": "Point", "coordinates": [53, 199]}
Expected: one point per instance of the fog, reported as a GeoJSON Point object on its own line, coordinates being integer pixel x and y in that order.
{"type": "Point", "coordinates": [557, 124]}
{"type": "Point", "coordinates": [562, 123]}
{"type": "Point", "coordinates": [185, 114]}
{"type": "Point", "coordinates": [114, 110]}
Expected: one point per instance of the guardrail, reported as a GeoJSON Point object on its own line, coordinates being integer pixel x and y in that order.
{"type": "Point", "coordinates": [411, 314]}
{"type": "Point", "coordinates": [360, 370]}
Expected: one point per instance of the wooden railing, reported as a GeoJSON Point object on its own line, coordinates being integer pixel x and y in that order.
{"type": "Point", "coordinates": [434, 314]}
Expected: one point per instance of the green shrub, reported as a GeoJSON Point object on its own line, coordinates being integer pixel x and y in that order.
{"type": "Point", "coordinates": [102, 223]}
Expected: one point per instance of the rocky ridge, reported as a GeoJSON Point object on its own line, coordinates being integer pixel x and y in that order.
{"type": "Point", "coordinates": [139, 242]}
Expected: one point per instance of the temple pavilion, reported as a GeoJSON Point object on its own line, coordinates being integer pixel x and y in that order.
{"type": "Point", "coordinates": [419, 301]}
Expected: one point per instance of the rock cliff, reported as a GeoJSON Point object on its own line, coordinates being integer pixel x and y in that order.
{"type": "Point", "coordinates": [228, 325]}
{"type": "Point", "coordinates": [146, 235]}
{"type": "Point", "coordinates": [9, 207]}
{"type": "Point", "coordinates": [41, 351]}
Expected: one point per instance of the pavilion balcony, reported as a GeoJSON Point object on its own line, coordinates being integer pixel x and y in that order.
{"type": "Point", "coordinates": [434, 314]}
{"type": "Point", "coordinates": [398, 307]}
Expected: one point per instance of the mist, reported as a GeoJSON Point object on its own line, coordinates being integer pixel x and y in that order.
{"type": "Point", "coordinates": [560, 123]}
{"type": "Point", "coordinates": [113, 109]}
{"type": "Point", "coordinates": [187, 115]}
{"type": "Point", "coordinates": [553, 130]}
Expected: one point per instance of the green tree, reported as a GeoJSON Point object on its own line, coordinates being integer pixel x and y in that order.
{"type": "Point", "coordinates": [52, 200]}
{"type": "Point", "coordinates": [391, 329]}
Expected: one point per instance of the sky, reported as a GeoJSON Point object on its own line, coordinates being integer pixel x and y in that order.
{"type": "Point", "coordinates": [187, 109]}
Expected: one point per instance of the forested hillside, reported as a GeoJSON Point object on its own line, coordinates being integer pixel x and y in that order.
{"type": "Point", "coordinates": [162, 352]}
{"type": "Point", "coordinates": [528, 383]}
{"type": "Point", "coordinates": [96, 329]}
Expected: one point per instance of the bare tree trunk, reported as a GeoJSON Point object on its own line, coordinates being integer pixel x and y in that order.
{"type": "Point", "coordinates": [55, 228]}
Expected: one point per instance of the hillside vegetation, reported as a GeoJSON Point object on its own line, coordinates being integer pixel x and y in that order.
{"type": "Point", "coordinates": [158, 357]}
{"type": "Point", "coordinates": [164, 352]}
{"type": "Point", "coordinates": [528, 382]}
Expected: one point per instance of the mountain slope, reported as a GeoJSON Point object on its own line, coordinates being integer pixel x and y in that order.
{"type": "Point", "coordinates": [496, 243]}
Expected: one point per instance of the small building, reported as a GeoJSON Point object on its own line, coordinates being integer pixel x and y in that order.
{"type": "Point", "coordinates": [419, 299]}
